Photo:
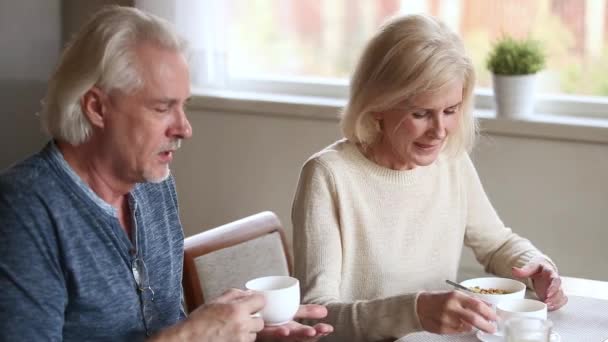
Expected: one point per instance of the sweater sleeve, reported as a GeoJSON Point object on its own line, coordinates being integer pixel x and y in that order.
{"type": "Point", "coordinates": [495, 246]}
{"type": "Point", "coordinates": [318, 260]}
{"type": "Point", "coordinates": [33, 295]}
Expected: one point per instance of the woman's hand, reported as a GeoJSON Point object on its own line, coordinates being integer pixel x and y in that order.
{"type": "Point", "coordinates": [453, 312]}
{"type": "Point", "coordinates": [546, 282]}
{"type": "Point", "coordinates": [296, 332]}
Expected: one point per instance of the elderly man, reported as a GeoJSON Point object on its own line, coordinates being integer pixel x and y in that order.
{"type": "Point", "coordinates": [91, 244]}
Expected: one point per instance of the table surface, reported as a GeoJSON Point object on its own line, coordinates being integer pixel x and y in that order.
{"type": "Point", "coordinates": [585, 287]}
{"type": "Point", "coordinates": [583, 319]}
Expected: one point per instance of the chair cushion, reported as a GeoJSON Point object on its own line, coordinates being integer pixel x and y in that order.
{"type": "Point", "coordinates": [233, 266]}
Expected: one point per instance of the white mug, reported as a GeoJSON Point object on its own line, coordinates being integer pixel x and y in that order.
{"type": "Point", "coordinates": [282, 294]}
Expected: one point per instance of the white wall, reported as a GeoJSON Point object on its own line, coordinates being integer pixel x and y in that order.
{"type": "Point", "coordinates": [30, 40]}
{"type": "Point", "coordinates": [553, 192]}
{"type": "Point", "coordinates": [74, 13]}
{"type": "Point", "coordinates": [32, 33]}
{"type": "Point", "coordinates": [236, 165]}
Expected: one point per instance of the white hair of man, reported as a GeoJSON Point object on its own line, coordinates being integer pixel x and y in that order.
{"type": "Point", "coordinates": [101, 54]}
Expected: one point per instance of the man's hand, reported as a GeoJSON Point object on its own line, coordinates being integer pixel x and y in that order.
{"type": "Point", "coordinates": [226, 319]}
{"type": "Point", "coordinates": [296, 332]}
{"type": "Point", "coordinates": [453, 312]}
{"type": "Point", "coordinates": [546, 282]}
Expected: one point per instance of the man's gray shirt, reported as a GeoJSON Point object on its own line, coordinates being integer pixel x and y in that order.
{"type": "Point", "coordinates": [68, 271]}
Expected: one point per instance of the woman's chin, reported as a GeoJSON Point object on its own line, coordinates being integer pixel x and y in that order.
{"type": "Point", "coordinates": [426, 160]}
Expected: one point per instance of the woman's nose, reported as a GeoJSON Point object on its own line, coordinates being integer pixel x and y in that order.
{"type": "Point", "coordinates": [438, 127]}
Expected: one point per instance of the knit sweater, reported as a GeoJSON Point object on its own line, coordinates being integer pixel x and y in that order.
{"type": "Point", "coordinates": [69, 272]}
{"type": "Point", "coordinates": [368, 239]}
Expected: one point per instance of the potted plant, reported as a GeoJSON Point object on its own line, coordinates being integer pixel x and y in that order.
{"type": "Point", "coordinates": [514, 64]}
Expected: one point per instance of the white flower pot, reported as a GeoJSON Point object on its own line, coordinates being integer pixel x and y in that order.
{"type": "Point", "coordinates": [514, 95]}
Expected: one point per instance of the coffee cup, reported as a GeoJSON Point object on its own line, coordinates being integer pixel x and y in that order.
{"type": "Point", "coordinates": [519, 308]}
{"type": "Point", "coordinates": [282, 295]}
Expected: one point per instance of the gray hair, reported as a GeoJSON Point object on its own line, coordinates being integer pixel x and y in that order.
{"type": "Point", "coordinates": [101, 54]}
{"type": "Point", "coordinates": [410, 55]}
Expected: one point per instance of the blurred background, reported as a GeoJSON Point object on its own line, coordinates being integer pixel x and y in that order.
{"type": "Point", "coordinates": [316, 38]}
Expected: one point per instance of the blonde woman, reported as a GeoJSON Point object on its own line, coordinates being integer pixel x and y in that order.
{"type": "Point", "coordinates": [380, 217]}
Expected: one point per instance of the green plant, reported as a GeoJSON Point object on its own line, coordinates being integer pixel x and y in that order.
{"type": "Point", "coordinates": [510, 56]}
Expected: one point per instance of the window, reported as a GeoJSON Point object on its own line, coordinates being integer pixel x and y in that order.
{"type": "Point", "coordinates": [311, 46]}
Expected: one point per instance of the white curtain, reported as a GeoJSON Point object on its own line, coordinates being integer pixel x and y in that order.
{"type": "Point", "coordinates": [202, 23]}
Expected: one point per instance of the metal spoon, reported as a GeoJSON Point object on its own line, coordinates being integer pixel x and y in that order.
{"type": "Point", "coordinates": [458, 286]}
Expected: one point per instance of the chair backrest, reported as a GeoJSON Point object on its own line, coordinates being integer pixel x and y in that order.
{"type": "Point", "coordinates": [229, 255]}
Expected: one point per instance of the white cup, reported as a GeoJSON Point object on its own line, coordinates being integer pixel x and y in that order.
{"type": "Point", "coordinates": [282, 294]}
{"type": "Point", "coordinates": [519, 308]}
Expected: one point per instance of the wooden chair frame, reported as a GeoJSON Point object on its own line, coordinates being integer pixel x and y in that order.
{"type": "Point", "coordinates": [221, 237]}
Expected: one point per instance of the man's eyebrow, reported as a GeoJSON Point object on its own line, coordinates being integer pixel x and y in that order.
{"type": "Point", "coordinates": [163, 101]}
{"type": "Point", "coordinates": [169, 100]}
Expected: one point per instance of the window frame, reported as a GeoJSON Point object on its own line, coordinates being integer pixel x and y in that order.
{"type": "Point", "coordinates": [546, 104]}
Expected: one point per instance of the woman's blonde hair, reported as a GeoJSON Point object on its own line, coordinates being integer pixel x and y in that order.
{"type": "Point", "coordinates": [101, 54]}
{"type": "Point", "coordinates": [410, 55]}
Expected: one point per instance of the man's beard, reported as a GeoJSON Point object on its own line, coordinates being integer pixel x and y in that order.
{"type": "Point", "coordinates": [149, 176]}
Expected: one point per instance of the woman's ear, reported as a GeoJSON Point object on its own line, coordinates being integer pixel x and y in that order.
{"type": "Point", "coordinates": [93, 106]}
{"type": "Point", "coordinates": [378, 116]}
{"type": "Point", "coordinates": [378, 120]}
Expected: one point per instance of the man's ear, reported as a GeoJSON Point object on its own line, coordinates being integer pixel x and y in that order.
{"type": "Point", "coordinates": [93, 105]}
{"type": "Point", "coordinates": [378, 115]}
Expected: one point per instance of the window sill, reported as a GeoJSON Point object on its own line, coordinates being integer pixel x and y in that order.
{"type": "Point", "coordinates": [543, 126]}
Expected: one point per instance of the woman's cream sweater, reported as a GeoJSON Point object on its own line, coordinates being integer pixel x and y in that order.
{"type": "Point", "coordinates": [368, 239]}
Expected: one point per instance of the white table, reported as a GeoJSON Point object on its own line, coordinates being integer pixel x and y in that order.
{"type": "Point", "coordinates": [583, 319]}
{"type": "Point", "coordinates": [585, 287]}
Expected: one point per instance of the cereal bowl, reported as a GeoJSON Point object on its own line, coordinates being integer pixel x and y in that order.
{"type": "Point", "coordinates": [512, 289]}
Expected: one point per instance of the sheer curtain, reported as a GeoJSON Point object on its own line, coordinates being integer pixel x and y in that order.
{"type": "Point", "coordinates": [198, 21]}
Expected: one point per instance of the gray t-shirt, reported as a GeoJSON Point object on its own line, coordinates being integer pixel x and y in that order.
{"type": "Point", "coordinates": [69, 272]}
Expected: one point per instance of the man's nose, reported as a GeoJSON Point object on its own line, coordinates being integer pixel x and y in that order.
{"type": "Point", "coordinates": [181, 128]}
